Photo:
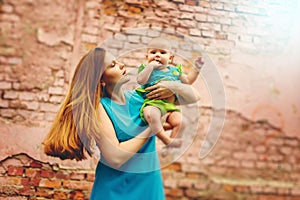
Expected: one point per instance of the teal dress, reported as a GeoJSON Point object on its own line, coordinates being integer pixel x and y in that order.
{"type": "Point", "coordinates": [140, 177]}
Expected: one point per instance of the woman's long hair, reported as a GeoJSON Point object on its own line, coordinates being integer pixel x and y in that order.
{"type": "Point", "coordinates": [71, 133]}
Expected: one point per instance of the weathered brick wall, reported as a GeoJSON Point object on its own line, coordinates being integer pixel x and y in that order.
{"type": "Point", "coordinates": [250, 161]}
{"type": "Point", "coordinates": [257, 154]}
{"type": "Point", "coordinates": [26, 178]}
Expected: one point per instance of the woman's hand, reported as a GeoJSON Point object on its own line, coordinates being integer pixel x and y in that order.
{"type": "Point", "coordinates": [160, 91]}
{"type": "Point", "coordinates": [164, 89]}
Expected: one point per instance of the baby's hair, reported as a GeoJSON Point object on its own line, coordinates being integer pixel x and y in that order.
{"type": "Point", "coordinates": [160, 43]}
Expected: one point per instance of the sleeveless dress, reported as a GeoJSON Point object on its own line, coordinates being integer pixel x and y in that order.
{"type": "Point", "coordinates": [140, 177]}
{"type": "Point", "coordinates": [172, 74]}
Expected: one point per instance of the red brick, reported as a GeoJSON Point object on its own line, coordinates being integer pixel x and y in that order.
{"type": "Point", "coordinates": [295, 192]}
{"type": "Point", "coordinates": [34, 181]}
{"type": "Point", "coordinates": [8, 191]}
{"type": "Point", "coordinates": [36, 164]}
{"type": "Point", "coordinates": [32, 173]}
{"type": "Point", "coordinates": [90, 177]}
{"type": "Point", "coordinates": [5, 85]}
{"type": "Point", "coordinates": [10, 95]}
{"type": "Point", "coordinates": [260, 149]}
{"type": "Point", "coordinates": [6, 8]}
{"type": "Point", "coordinates": [291, 142]}
{"type": "Point", "coordinates": [77, 176]}
{"type": "Point", "coordinates": [15, 171]}
{"type": "Point", "coordinates": [56, 90]}
{"type": "Point", "coordinates": [269, 189]}
{"type": "Point", "coordinates": [88, 194]}
{"type": "Point", "coordinates": [80, 185]}
{"type": "Point", "coordinates": [192, 193]}
{"type": "Point", "coordinates": [30, 105]}
{"type": "Point", "coordinates": [9, 113]}
{"type": "Point", "coordinates": [174, 192]}
{"type": "Point", "coordinates": [6, 180]}
{"type": "Point", "coordinates": [218, 170]}
{"type": "Point", "coordinates": [25, 181]}
{"type": "Point", "coordinates": [50, 183]}
{"type": "Point", "coordinates": [248, 164]}
{"type": "Point", "coordinates": [47, 174]}
{"type": "Point", "coordinates": [241, 188]}
{"type": "Point", "coordinates": [174, 167]}
{"type": "Point", "coordinates": [27, 191]}
{"type": "Point", "coordinates": [185, 183]}
{"type": "Point", "coordinates": [170, 183]}
{"type": "Point", "coordinates": [48, 107]}
{"type": "Point", "coordinates": [4, 103]}
{"type": "Point", "coordinates": [44, 192]}
{"type": "Point", "coordinates": [2, 170]}
{"type": "Point", "coordinates": [76, 195]}
{"type": "Point", "coordinates": [58, 195]}
{"type": "Point", "coordinates": [62, 175]}
{"type": "Point", "coordinates": [283, 191]}
{"type": "Point", "coordinates": [191, 2]}
{"type": "Point", "coordinates": [192, 175]}
{"type": "Point", "coordinates": [201, 185]}
{"type": "Point", "coordinates": [256, 189]}
{"type": "Point", "coordinates": [272, 197]}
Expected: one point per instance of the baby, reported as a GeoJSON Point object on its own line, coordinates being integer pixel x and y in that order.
{"type": "Point", "coordinates": [158, 68]}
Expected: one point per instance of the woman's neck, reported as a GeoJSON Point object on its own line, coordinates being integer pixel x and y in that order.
{"type": "Point", "coordinates": [116, 94]}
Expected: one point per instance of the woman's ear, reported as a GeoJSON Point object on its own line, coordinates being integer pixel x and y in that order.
{"type": "Point", "coordinates": [102, 83]}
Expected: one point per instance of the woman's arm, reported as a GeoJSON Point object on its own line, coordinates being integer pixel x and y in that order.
{"type": "Point", "coordinates": [117, 153]}
{"type": "Point", "coordinates": [164, 89]}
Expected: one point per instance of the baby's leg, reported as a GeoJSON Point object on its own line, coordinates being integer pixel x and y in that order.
{"type": "Point", "coordinates": [176, 121]}
{"type": "Point", "coordinates": [152, 115]}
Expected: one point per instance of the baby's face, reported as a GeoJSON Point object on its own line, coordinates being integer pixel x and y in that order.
{"type": "Point", "coordinates": [162, 56]}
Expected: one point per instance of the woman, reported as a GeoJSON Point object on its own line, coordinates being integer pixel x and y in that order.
{"type": "Point", "coordinates": [129, 167]}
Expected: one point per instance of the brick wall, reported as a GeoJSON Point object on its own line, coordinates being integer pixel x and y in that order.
{"type": "Point", "coordinates": [23, 177]}
{"type": "Point", "coordinates": [257, 154]}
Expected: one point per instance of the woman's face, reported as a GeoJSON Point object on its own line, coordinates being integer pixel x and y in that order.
{"type": "Point", "coordinates": [115, 72]}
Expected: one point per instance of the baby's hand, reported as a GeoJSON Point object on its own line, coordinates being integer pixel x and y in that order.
{"type": "Point", "coordinates": [155, 64]}
{"type": "Point", "coordinates": [199, 63]}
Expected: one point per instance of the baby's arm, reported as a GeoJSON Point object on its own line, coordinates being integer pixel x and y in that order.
{"type": "Point", "coordinates": [145, 72]}
{"type": "Point", "coordinates": [192, 75]}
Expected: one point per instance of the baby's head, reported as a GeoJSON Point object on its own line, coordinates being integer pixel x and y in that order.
{"type": "Point", "coordinates": [159, 49]}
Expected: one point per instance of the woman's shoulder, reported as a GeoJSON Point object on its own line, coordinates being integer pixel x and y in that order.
{"type": "Point", "coordinates": [105, 101]}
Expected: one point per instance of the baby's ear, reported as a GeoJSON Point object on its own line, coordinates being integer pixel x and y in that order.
{"type": "Point", "coordinates": [171, 57]}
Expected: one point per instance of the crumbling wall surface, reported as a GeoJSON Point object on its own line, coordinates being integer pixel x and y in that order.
{"type": "Point", "coordinates": [252, 47]}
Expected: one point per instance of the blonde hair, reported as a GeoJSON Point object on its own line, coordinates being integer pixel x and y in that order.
{"type": "Point", "coordinates": [71, 133]}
